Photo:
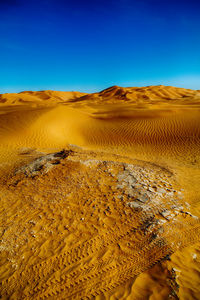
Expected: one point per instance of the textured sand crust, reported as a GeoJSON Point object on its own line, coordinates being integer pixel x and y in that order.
{"type": "Point", "coordinates": [79, 227]}
{"type": "Point", "coordinates": [87, 222]}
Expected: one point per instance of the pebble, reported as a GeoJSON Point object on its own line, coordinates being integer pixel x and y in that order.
{"type": "Point", "coordinates": [134, 204]}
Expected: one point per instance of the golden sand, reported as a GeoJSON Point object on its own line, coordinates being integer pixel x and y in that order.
{"type": "Point", "coordinates": [101, 218]}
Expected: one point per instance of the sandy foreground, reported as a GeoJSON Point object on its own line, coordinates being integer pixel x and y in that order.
{"type": "Point", "coordinates": [100, 194]}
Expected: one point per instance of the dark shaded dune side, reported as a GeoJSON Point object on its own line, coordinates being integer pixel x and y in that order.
{"type": "Point", "coordinates": [14, 122]}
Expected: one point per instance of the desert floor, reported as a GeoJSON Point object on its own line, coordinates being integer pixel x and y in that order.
{"type": "Point", "coordinates": [100, 194]}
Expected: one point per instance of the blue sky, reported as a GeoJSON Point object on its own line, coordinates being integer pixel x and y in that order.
{"type": "Point", "coordinates": [90, 45]}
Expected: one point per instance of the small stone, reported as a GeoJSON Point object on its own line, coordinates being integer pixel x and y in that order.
{"type": "Point", "coordinates": [134, 204]}
{"type": "Point", "coordinates": [194, 256]}
{"type": "Point", "coordinates": [162, 221]}
{"type": "Point", "coordinates": [149, 194]}
{"type": "Point", "coordinates": [143, 198]}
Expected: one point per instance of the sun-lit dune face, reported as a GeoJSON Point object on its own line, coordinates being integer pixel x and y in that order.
{"type": "Point", "coordinates": [150, 95]}
{"type": "Point", "coordinates": [43, 98]}
{"type": "Point", "coordinates": [92, 220]}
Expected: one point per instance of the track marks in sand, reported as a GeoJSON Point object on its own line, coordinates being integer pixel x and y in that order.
{"type": "Point", "coordinates": [85, 237]}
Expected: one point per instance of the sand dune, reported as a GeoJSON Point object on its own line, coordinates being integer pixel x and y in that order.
{"type": "Point", "coordinates": [57, 120]}
{"type": "Point", "coordinates": [143, 96]}
{"type": "Point", "coordinates": [139, 96]}
{"type": "Point", "coordinates": [43, 98]}
{"type": "Point", "coordinates": [87, 222]}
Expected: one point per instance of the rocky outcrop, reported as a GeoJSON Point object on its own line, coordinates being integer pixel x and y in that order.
{"type": "Point", "coordinates": [44, 163]}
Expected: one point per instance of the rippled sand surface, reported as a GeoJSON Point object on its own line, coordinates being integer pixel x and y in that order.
{"type": "Point", "coordinates": [100, 194]}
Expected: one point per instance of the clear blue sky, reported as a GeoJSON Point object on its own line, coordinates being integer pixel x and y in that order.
{"type": "Point", "coordinates": [90, 45]}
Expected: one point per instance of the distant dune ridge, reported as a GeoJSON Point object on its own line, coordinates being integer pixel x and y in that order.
{"type": "Point", "coordinates": [96, 189]}
{"type": "Point", "coordinates": [137, 94]}
{"type": "Point", "coordinates": [109, 95]}
{"type": "Point", "coordinates": [42, 97]}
